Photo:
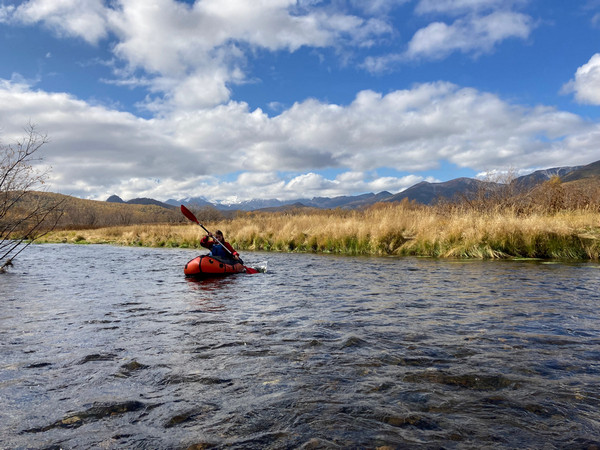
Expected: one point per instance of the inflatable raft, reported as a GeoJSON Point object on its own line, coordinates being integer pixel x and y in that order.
{"type": "Point", "coordinates": [207, 266]}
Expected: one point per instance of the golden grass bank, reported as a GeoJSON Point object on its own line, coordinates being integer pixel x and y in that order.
{"type": "Point", "coordinates": [403, 229]}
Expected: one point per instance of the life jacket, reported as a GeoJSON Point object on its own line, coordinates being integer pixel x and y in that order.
{"type": "Point", "coordinates": [219, 251]}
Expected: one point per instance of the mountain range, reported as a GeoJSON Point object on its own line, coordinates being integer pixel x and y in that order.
{"type": "Point", "coordinates": [140, 201]}
{"type": "Point", "coordinates": [423, 192]}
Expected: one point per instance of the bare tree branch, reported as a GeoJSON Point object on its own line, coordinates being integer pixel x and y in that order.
{"type": "Point", "coordinates": [24, 217]}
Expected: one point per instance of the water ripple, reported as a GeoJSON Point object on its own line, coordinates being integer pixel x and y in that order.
{"type": "Point", "coordinates": [107, 347]}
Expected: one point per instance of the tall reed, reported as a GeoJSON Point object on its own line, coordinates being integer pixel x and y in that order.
{"type": "Point", "coordinates": [384, 229]}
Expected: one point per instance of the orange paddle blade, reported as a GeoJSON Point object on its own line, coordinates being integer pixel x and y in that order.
{"type": "Point", "coordinates": [190, 215]}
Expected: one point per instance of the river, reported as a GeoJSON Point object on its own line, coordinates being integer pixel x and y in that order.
{"type": "Point", "coordinates": [111, 347]}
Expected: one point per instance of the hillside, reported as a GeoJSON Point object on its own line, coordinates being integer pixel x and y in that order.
{"type": "Point", "coordinates": [141, 201]}
{"type": "Point", "coordinates": [428, 193]}
{"type": "Point", "coordinates": [580, 186]}
{"type": "Point", "coordinates": [347, 202]}
{"type": "Point", "coordinates": [424, 192]}
{"type": "Point", "coordinates": [591, 172]}
{"type": "Point", "coordinates": [539, 176]}
{"type": "Point", "coordinates": [81, 213]}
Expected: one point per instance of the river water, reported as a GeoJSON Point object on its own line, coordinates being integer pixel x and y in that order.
{"type": "Point", "coordinates": [110, 347]}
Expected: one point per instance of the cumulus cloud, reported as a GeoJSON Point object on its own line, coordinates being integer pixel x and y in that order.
{"type": "Point", "coordinates": [377, 6]}
{"type": "Point", "coordinates": [472, 27]}
{"type": "Point", "coordinates": [191, 53]}
{"type": "Point", "coordinates": [461, 6]}
{"type": "Point", "coordinates": [316, 185]}
{"type": "Point", "coordinates": [473, 34]}
{"type": "Point", "coordinates": [187, 57]}
{"type": "Point", "coordinates": [97, 149]}
{"type": "Point", "coordinates": [586, 84]}
{"type": "Point", "coordinates": [80, 18]}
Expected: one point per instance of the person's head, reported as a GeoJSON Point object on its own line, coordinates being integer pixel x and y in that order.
{"type": "Point", "coordinates": [219, 235]}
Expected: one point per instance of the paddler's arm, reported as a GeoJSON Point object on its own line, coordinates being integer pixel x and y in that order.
{"type": "Point", "coordinates": [206, 243]}
{"type": "Point", "coordinates": [235, 254]}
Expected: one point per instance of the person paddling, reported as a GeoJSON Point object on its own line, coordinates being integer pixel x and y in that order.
{"type": "Point", "coordinates": [219, 247]}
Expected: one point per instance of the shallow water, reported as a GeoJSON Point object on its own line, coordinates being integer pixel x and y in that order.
{"type": "Point", "coordinates": [111, 347]}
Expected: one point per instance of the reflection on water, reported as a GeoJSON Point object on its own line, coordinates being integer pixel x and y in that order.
{"type": "Point", "coordinates": [206, 289]}
{"type": "Point", "coordinates": [112, 347]}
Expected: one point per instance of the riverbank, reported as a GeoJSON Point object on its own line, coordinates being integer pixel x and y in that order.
{"type": "Point", "coordinates": [400, 230]}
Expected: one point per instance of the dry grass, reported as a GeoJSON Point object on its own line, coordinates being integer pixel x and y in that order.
{"type": "Point", "coordinates": [384, 229]}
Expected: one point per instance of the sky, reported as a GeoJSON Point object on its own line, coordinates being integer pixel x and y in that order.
{"type": "Point", "coordinates": [233, 100]}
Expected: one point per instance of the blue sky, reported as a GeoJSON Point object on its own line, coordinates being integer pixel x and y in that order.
{"type": "Point", "coordinates": [234, 100]}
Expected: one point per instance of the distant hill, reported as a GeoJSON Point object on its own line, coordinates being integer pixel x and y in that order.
{"type": "Point", "coordinates": [198, 202]}
{"type": "Point", "coordinates": [589, 172]}
{"type": "Point", "coordinates": [367, 200]}
{"type": "Point", "coordinates": [292, 207]}
{"type": "Point", "coordinates": [347, 202]}
{"type": "Point", "coordinates": [140, 201]}
{"type": "Point", "coordinates": [427, 193]}
{"type": "Point", "coordinates": [115, 199]}
{"type": "Point", "coordinates": [150, 201]}
{"type": "Point", "coordinates": [82, 213]}
{"type": "Point", "coordinates": [539, 176]}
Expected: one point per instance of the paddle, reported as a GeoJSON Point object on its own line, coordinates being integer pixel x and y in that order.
{"type": "Point", "coordinates": [190, 215]}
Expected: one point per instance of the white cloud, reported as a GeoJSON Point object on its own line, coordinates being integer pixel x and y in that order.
{"type": "Point", "coordinates": [81, 18]}
{"type": "Point", "coordinates": [381, 64]}
{"type": "Point", "coordinates": [371, 182]}
{"type": "Point", "coordinates": [461, 6]}
{"type": "Point", "coordinates": [190, 54]}
{"type": "Point", "coordinates": [6, 13]}
{"type": "Point", "coordinates": [472, 34]}
{"type": "Point", "coordinates": [256, 179]}
{"type": "Point", "coordinates": [392, 184]}
{"type": "Point", "coordinates": [312, 183]}
{"type": "Point", "coordinates": [586, 84]}
{"type": "Point", "coordinates": [188, 57]}
{"type": "Point", "coordinates": [476, 27]}
{"type": "Point", "coordinates": [377, 7]}
{"type": "Point", "coordinates": [94, 149]}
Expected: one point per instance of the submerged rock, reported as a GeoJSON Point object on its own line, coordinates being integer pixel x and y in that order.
{"type": "Point", "coordinates": [467, 381]}
{"type": "Point", "coordinates": [96, 412]}
{"type": "Point", "coordinates": [128, 369]}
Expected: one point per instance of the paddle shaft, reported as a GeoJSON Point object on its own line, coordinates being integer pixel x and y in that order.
{"type": "Point", "coordinates": [218, 241]}
{"type": "Point", "coordinates": [190, 215]}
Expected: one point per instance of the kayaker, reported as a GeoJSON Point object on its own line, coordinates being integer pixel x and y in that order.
{"type": "Point", "coordinates": [215, 244]}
